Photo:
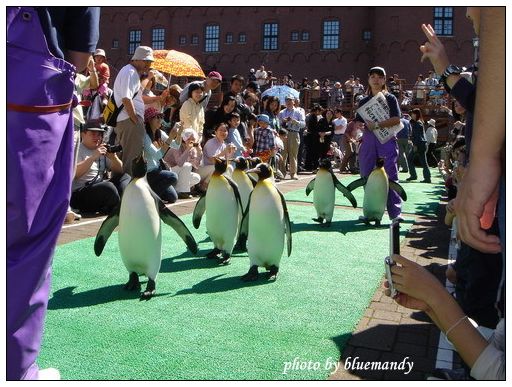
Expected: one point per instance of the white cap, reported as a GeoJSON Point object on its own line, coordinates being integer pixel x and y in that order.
{"type": "Point", "coordinates": [100, 52]}
{"type": "Point", "coordinates": [143, 53]}
{"type": "Point", "coordinates": [185, 135]}
{"type": "Point", "coordinates": [431, 122]}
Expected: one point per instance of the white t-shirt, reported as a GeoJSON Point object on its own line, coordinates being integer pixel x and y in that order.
{"type": "Point", "coordinates": [261, 77]}
{"type": "Point", "coordinates": [431, 135]}
{"type": "Point", "coordinates": [97, 167]}
{"type": "Point", "coordinates": [340, 125]}
{"type": "Point", "coordinates": [127, 83]}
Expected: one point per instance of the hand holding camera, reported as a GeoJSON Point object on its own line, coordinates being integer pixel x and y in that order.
{"type": "Point", "coordinates": [394, 248]}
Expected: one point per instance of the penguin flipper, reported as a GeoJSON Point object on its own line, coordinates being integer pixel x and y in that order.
{"type": "Point", "coordinates": [357, 183]}
{"type": "Point", "coordinates": [236, 191]}
{"type": "Point", "coordinates": [310, 186]}
{"type": "Point", "coordinates": [106, 229]}
{"type": "Point", "coordinates": [199, 210]}
{"type": "Point", "coordinates": [398, 189]}
{"type": "Point", "coordinates": [344, 190]}
{"type": "Point", "coordinates": [253, 180]}
{"type": "Point", "coordinates": [171, 219]}
{"type": "Point", "coordinates": [287, 225]}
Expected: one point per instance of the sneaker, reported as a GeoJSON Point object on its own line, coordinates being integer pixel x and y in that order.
{"type": "Point", "coordinates": [279, 175]}
{"type": "Point", "coordinates": [293, 177]}
{"type": "Point", "coordinates": [49, 374]}
{"type": "Point", "coordinates": [411, 178]}
{"type": "Point", "coordinates": [426, 181]}
{"type": "Point", "coordinates": [71, 217]}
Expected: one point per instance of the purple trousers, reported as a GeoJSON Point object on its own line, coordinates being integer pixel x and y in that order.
{"type": "Point", "coordinates": [370, 150]}
{"type": "Point", "coordinates": [39, 173]}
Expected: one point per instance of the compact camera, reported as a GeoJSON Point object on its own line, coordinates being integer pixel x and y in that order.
{"type": "Point", "coordinates": [394, 248]}
{"type": "Point", "coordinates": [113, 148]}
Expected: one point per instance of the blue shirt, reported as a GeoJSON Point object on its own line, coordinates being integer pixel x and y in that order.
{"type": "Point", "coordinates": [235, 138]}
{"type": "Point", "coordinates": [152, 153]}
{"type": "Point", "coordinates": [406, 131]}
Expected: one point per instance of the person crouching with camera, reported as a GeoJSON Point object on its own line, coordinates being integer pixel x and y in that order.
{"type": "Point", "coordinates": [92, 191]}
{"type": "Point", "coordinates": [156, 144]}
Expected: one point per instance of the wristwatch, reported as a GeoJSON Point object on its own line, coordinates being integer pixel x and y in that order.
{"type": "Point", "coordinates": [450, 70]}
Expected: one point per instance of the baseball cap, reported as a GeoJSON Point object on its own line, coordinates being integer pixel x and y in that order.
{"type": "Point", "coordinates": [377, 70]}
{"type": "Point", "coordinates": [93, 126]}
{"type": "Point", "coordinates": [215, 75]}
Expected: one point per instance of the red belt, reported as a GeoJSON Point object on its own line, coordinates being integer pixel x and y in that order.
{"type": "Point", "coordinates": [39, 109]}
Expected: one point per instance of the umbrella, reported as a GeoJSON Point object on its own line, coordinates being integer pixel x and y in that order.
{"type": "Point", "coordinates": [176, 63]}
{"type": "Point", "coordinates": [281, 92]}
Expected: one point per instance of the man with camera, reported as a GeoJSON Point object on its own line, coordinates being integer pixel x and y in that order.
{"type": "Point", "coordinates": [91, 190]}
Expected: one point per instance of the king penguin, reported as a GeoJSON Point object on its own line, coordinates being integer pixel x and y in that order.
{"type": "Point", "coordinates": [325, 183]}
{"type": "Point", "coordinates": [245, 182]}
{"type": "Point", "coordinates": [140, 233]}
{"type": "Point", "coordinates": [223, 208]}
{"type": "Point", "coordinates": [265, 222]}
{"type": "Point", "coordinates": [376, 188]}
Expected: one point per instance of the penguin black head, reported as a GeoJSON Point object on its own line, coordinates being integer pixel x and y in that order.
{"type": "Point", "coordinates": [254, 162]}
{"type": "Point", "coordinates": [241, 163]}
{"type": "Point", "coordinates": [220, 166]}
{"type": "Point", "coordinates": [263, 170]}
{"type": "Point", "coordinates": [139, 166]}
{"type": "Point", "coordinates": [325, 164]}
{"type": "Point", "coordinates": [380, 162]}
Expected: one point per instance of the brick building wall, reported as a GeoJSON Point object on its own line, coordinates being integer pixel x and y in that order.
{"type": "Point", "coordinates": [394, 44]}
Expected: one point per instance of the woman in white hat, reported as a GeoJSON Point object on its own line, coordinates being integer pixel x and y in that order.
{"type": "Point", "coordinates": [184, 160]}
{"type": "Point", "coordinates": [431, 135]}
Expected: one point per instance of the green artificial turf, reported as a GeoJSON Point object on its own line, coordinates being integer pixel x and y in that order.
{"type": "Point", "coordinates": [422, 198]}
{"type": "Point", "coordinates": [204, 322]}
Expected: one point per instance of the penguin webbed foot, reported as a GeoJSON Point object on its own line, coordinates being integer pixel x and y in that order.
{"type": "Point", "coordinates": [272, 273]}
{"type": "Point", "coordinates": [150, 290]}
{"type": "Point", "coordinates": [377, 223]}
{"type": "Point", "coordinates": [213, 254]}
{"type": "Point", "coordinates": [252, 274]}
{"type": "Point", "coordinates": [319, 220]}
{"type": "Point", "coordinates": [133, 282]}
{"type": "Point", "coordinates": [225, 259]}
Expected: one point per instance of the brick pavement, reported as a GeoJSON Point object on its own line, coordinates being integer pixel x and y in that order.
{"type": "Point", "coordinates": [386, 331]}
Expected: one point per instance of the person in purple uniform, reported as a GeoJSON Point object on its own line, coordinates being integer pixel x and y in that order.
{"type": "Point", "coordinates": [46, 46]}
{"type": "Point", "coordinates": [371, 149]}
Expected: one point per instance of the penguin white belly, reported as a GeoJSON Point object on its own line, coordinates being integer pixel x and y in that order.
{"type": "Point", "coordinates": [265, 242]}
{"type": "Point", "coordinates": [323, 195]}
{"type": "Point", "coordinates": [222, 214]}
{"type": "Point", "coordinates": [140, 236]}
{"type": "Point", "coordinates": [244, 186]}
{"type": "Point", "coordinates": [375, 196]}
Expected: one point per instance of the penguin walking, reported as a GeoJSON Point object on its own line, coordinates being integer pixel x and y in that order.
{"type": "Point", "coordinates": [140, 233]}
{"type": "Point", "coordinates": [245, 182]}
{"type": "Point", "coordinates": [223, 208]}
{"type": "Point", "coordinates": [376, 188]}
{"type": "Point", "coordinates": [265, 223]}
{"type": "Point", "coordinates": [325, 183]}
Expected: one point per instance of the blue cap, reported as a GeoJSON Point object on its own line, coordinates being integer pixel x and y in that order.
{"type": "Point", "coordinates": [264, 118]}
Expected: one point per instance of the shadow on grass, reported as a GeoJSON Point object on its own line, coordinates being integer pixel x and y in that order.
{"type": "Point", "coordinates": [342, 226]}
{"type": "Point", "coordinates": [67, 299]}
{"type": "Point", "coordinates": [216, 284]}
{"type": "Point", "coordinates": [186, 262]}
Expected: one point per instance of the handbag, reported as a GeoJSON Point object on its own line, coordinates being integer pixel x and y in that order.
{"type": "Point", "coordinates": [111, 111]}
{"type": "Point", "coordinates": [164, 166]}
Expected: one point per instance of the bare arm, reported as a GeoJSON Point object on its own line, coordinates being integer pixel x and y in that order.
{"type": "Point", "coordinates": [477, 196]}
